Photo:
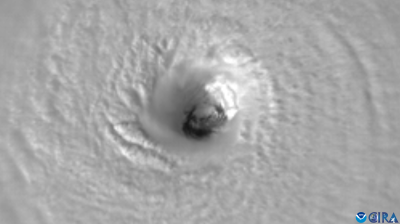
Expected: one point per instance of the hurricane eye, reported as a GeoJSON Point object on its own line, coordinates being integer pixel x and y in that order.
{"type": "Point", "coordinates": [204, 120]}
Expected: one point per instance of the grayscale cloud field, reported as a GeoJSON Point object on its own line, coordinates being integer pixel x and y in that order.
{"type": "Point", "coordinates": [223, 112]}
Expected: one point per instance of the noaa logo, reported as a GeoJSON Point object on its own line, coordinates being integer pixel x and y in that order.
{"type": "Point", "coordinates": [361, 217]}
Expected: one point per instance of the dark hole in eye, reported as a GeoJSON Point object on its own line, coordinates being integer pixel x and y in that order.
{"type": "Point", "coordinates": [203, 127]}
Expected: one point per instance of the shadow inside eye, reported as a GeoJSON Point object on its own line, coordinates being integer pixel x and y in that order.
{"type": "Point", "coordinates": [203, 127]}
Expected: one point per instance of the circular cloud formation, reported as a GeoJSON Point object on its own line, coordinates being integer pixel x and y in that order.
{"type": "Point", "coordinates": [196, 106]}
